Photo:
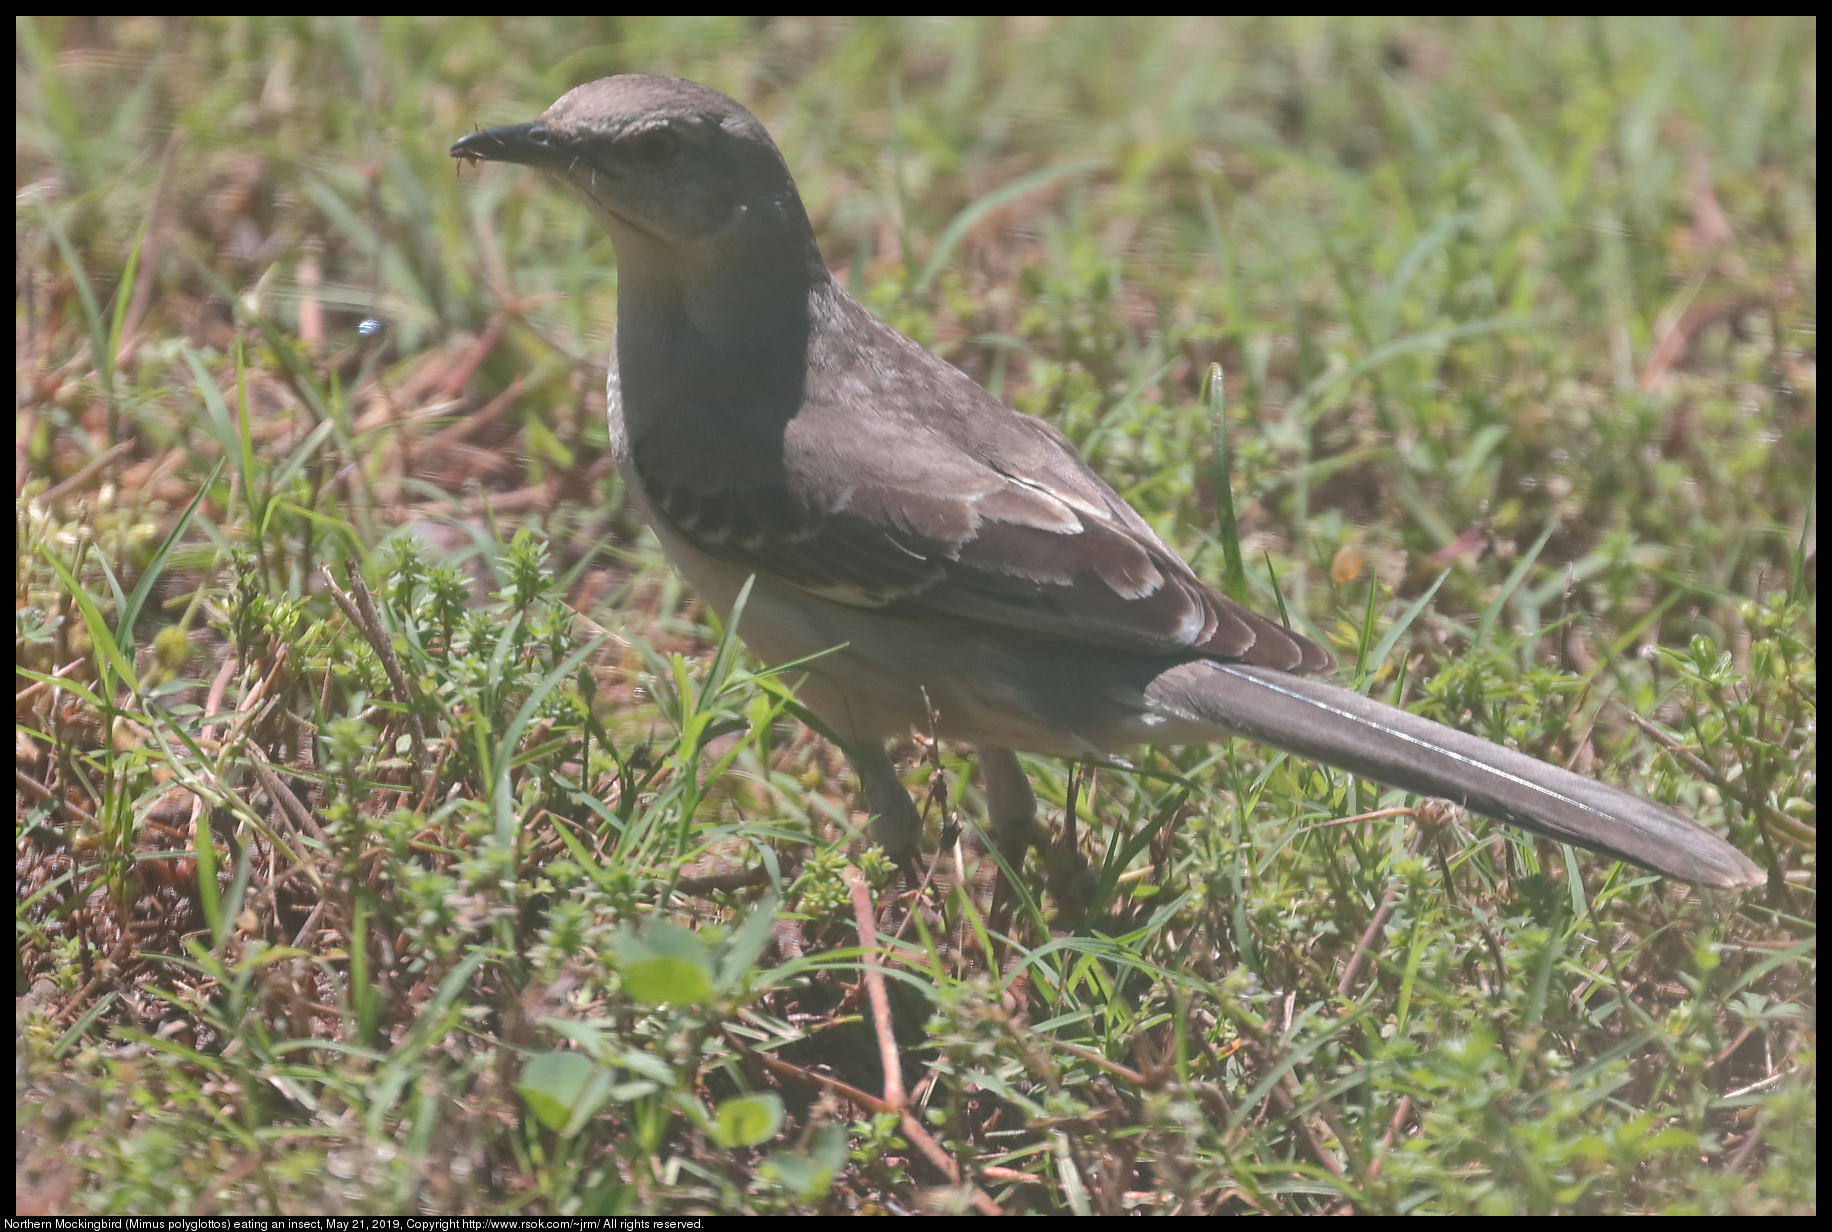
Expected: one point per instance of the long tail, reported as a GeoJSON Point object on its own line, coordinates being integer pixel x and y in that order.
{"type": "Point", "coordinates": [1344, 729]}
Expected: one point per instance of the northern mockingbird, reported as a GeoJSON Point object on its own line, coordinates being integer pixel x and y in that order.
{"type": "Point", "coordinates": [966, 564]}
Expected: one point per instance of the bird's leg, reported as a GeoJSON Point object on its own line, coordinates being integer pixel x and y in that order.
{"type": "Point", "coordinates": [1011, 809]}
{"type": "Point", "coordinates": [896, 826]}
{"type": "Point", "coordinates": [1011, 813]}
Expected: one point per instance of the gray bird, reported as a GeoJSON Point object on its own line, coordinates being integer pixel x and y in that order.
{"type": "Point", "coordinates": [969, 568]}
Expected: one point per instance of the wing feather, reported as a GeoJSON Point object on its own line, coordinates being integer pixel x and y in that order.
{"type": "Point", "coordinates": [940, 501]}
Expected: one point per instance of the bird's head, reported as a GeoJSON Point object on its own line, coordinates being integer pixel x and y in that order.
{"type": "Point", "coordinates": [681, 176]}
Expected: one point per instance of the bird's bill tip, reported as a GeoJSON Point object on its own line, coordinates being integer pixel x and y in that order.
{"type": "Point", "coordinates": [512, 143]}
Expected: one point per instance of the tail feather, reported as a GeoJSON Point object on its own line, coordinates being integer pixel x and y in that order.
{"type": "Point", "coordinates": [1344, 729]}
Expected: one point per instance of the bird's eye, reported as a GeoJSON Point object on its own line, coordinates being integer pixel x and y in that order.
{"type": "Point", "coordinates": [652, 149]}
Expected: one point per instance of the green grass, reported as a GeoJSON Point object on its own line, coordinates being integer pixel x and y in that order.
{"type": "Point", "coordinates": [421, 903]}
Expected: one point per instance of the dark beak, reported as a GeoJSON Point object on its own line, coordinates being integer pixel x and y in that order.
{"type": "Point", "coordinates": [513, 143]}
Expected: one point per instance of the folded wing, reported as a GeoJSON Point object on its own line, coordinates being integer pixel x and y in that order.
{"type": "Point", "coordinates": [950, 505]}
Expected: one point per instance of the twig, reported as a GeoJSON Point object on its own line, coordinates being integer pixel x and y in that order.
{"type": "Point", "coordinates": [1112, 1067]}
{"type": "Point", "coordinates": [535, 496]}
{"type": "Point", "coordinates": [378, 636]}
{"type": "Point", "coordinates": [874, 985]}
{"type": "Point", "coordinates": [1386, 1139]}
{"type": "Point", "coordinates": [912, 1129]}
{"type": "Point", "coordinates": [486, 342]}
{"type": "Point", "coordinates": [38, 791]}
{"type": "Point", "coordinates": [491, 411]}
{"type": "Point", "coordinates": [90, 470]}
{"type": "Point", "coordinates": [894, 1099]}
{"type": "Point", "coordinates": [432, 780]}
{"type": "Point", "coordinates": [38, 686]}
{"type": "Point", "coordinates": [1367, 938]}
{"type": "Point", "coordinates": [1734, 1044]}
{"type": "Point", "coordinates": [1381, 913]}
{"type": "Point", "coordinates": [1377, 814]}
{"type": "Point", "coordinates": [787, 1069]}
{"type": "Point", "coordinates": [282, 795]}
{"type": "Point", "coordinates": [1213, 1102]}
{"type": "Point", "coordinates": [1283, 1096]}
{"type": "Point", "coordinates": [1288, 1105]}
{"type": "Point", "coordinates": [931, 1150]}
{"type": "Point", "coordinates": [1747, 1149]}
{"type": "Point", "coordinates": [310, 922]}
{"type": "Point", "coordinates": [1764, 1084]}
{"type": "Point", "coordinates": [215, 700]}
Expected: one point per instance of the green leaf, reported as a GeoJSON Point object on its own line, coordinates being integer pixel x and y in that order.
{"type": "Point", "coordinates": [667, 965]}
{"type": "Point", "coordinates": [747, 1120]}
{"type": "Point", "coordinates": [673, 941]}
{"type": "Point", "coordinates": [598, 1088]}
{"type": "Point", "coordinates": [551, 1083]}
{"type": "Point", "coordinates": [667, 981]}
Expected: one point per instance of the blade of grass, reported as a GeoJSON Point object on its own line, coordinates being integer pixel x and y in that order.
{"type": "Point", "coordinates": [130, 609]}
{"type": "Point", "coordinates": [81, 1026]}
{"type": "Point", "coordinates": [101, 637]}
{"type": "Point", "coordinates": [124, 293]}
{"type": "Point", "coordinates": [1387, 643]}
{"type": "Point", "coordinates": [1233, 571]}
{"type": "Point", "coordinates": [1492, 613]}
{"type": "Point", "coordinates": [964, 221]}
{"type": "Point", "coordinates": [100, 355]}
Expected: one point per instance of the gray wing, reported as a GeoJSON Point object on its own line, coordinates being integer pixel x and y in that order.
{"type": "Point", "coordinates": [921, 494]}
